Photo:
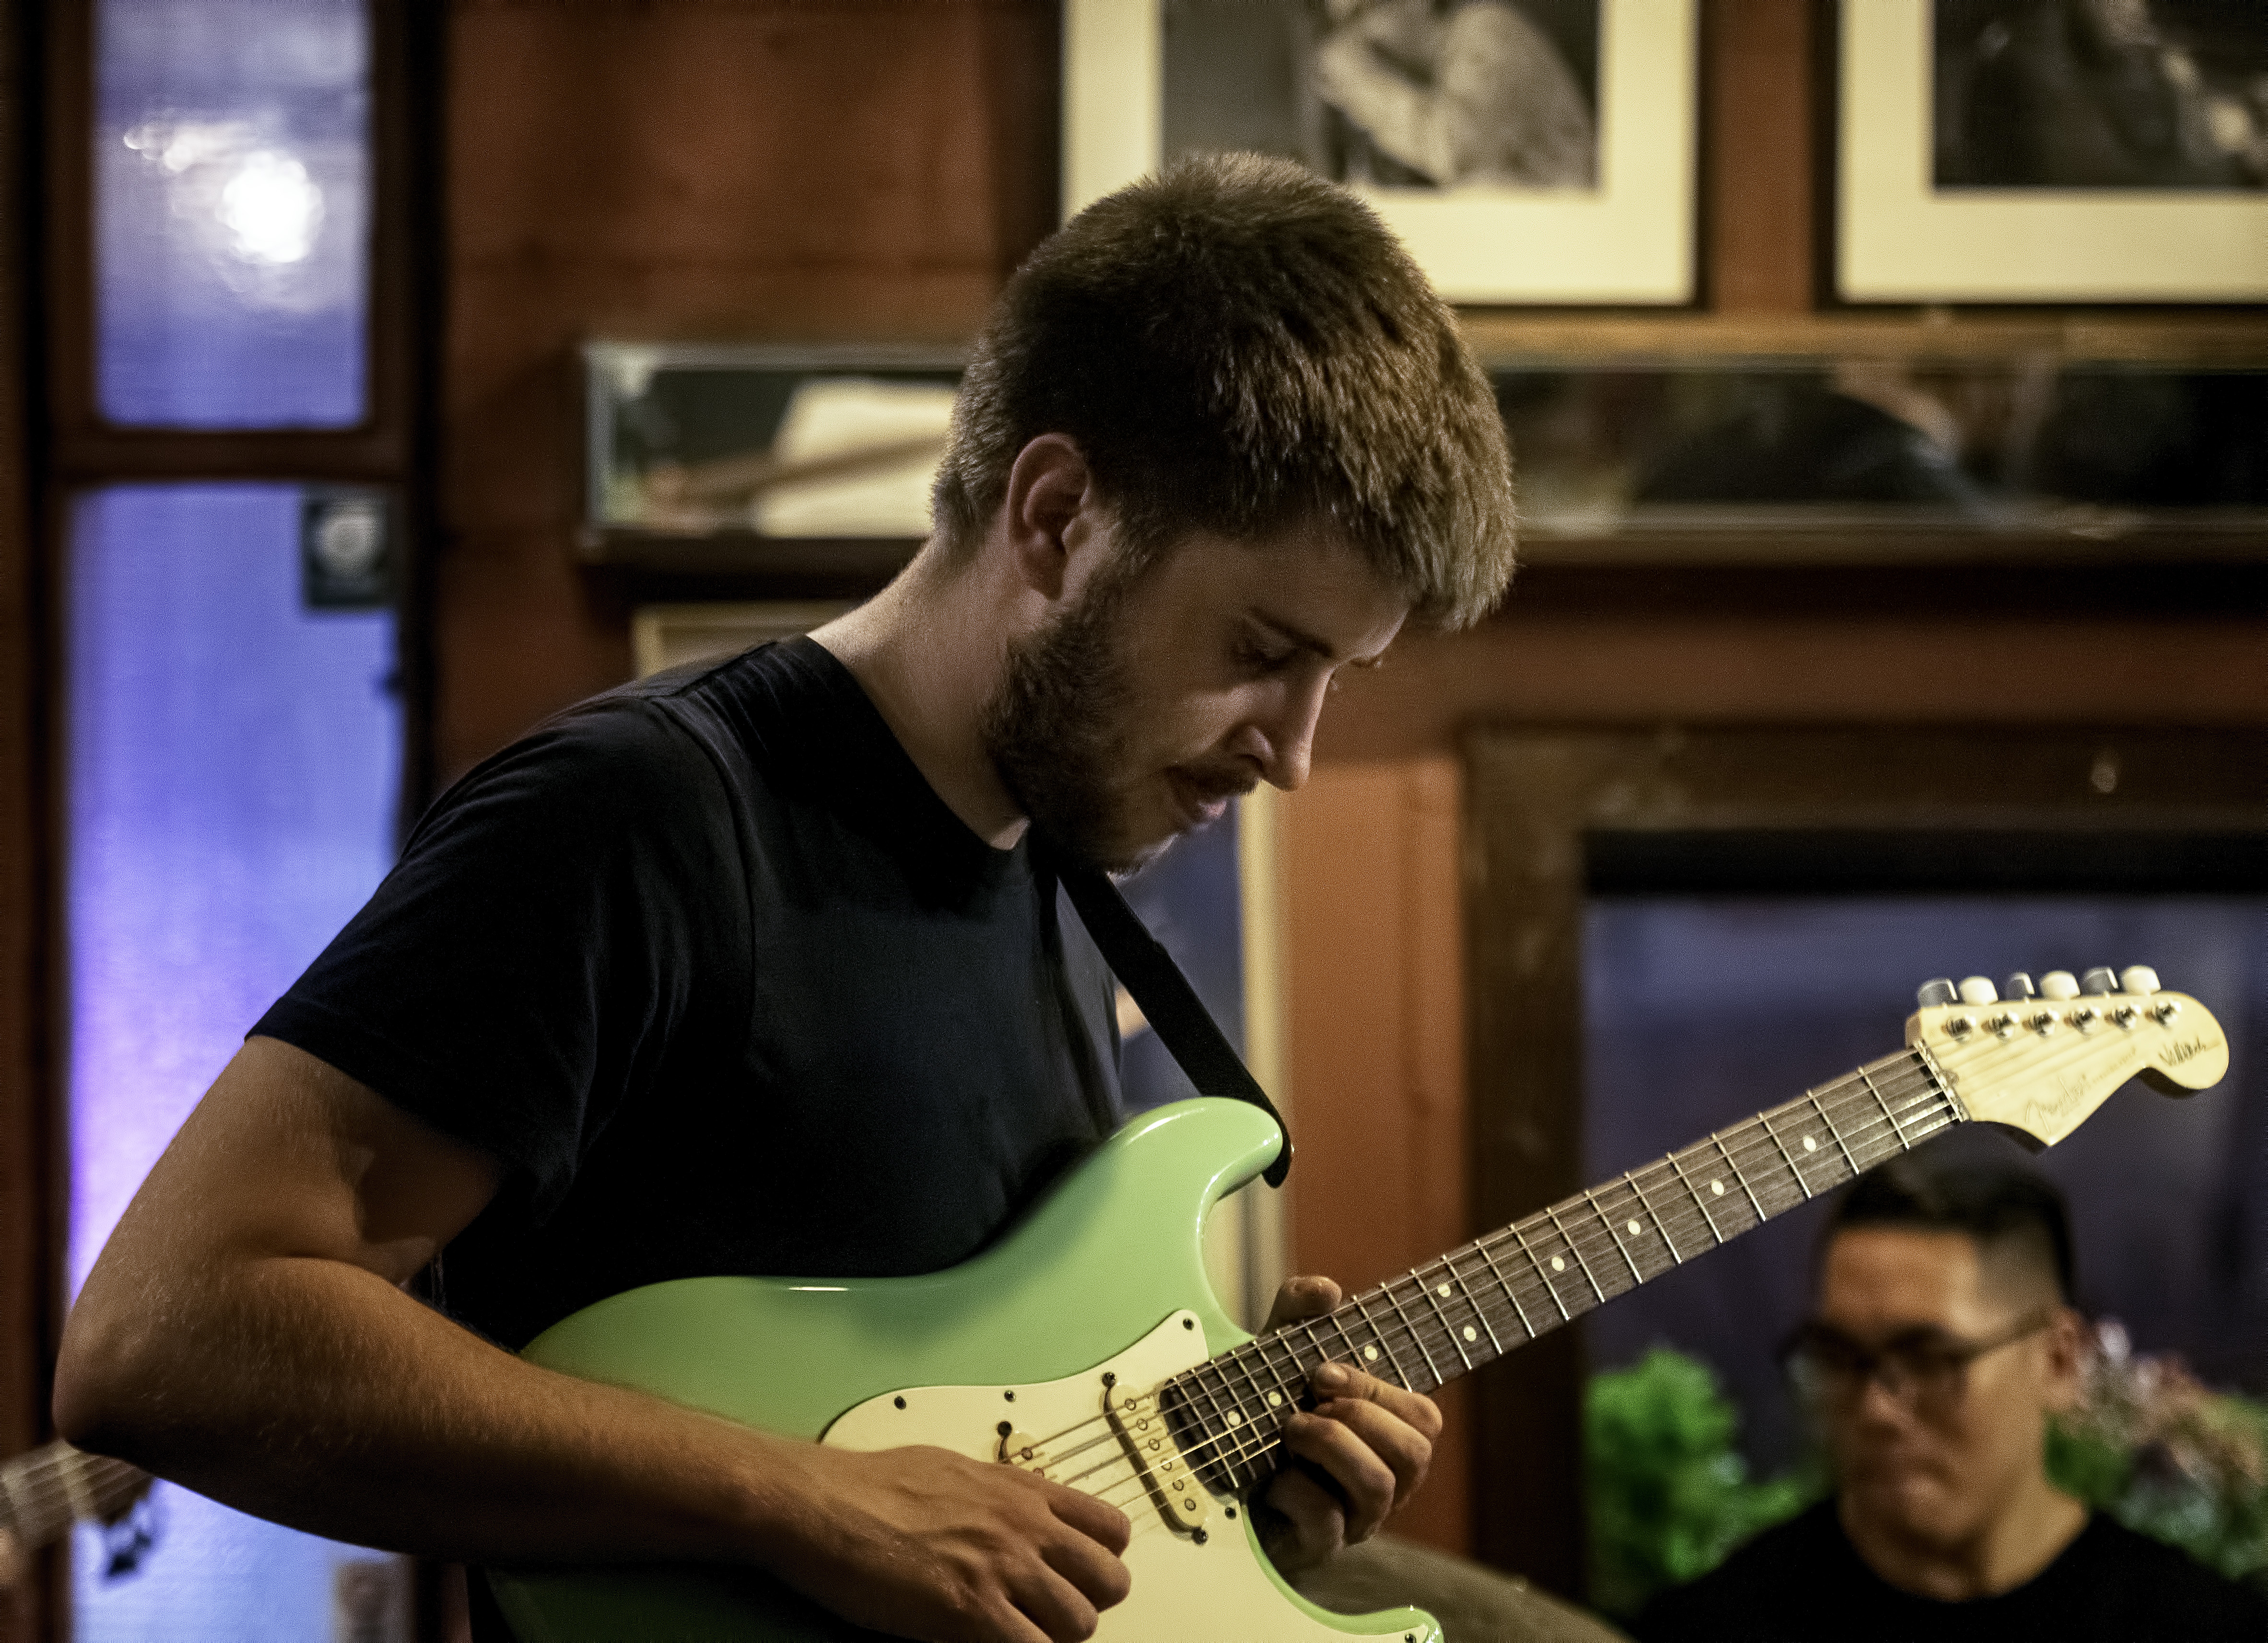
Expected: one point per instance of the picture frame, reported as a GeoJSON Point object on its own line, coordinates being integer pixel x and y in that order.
{"type": "Point", "coordinates": [1627, 238]}
{"type": "Point", "coordinates": [1902, 236]}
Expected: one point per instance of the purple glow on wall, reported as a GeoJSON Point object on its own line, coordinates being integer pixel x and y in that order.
{"type": "Point", "coordinates": [232, 766]}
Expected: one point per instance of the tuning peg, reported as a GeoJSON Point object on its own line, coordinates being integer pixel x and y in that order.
{"type": "Point", "coordinates": [2138, 978]}
{"type": "Point", "coordinates": [1978, 990]}
{"type": "Point", "coordinates": [2101, 979]}
{"type": "Point", "coordinates": [1939, 992]}
{"type": "Point", "coordinates": [2020, 986]}
{"type": "Point", "coordinates": [2058, 984]}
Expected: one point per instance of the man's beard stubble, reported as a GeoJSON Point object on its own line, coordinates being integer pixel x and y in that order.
{"type": "Point", "coordinates": [1055, 729]}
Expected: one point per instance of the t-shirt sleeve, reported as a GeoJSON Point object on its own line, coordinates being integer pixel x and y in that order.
{"type": "Point", "coordinates": [557, 929]}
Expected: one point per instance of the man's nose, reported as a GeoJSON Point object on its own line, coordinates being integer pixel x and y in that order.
{"type": "Point", "coordinates": [1287, 731]}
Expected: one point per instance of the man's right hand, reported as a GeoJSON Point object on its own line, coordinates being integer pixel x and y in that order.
{"type": "Point", "coordinates": [922, 1543]}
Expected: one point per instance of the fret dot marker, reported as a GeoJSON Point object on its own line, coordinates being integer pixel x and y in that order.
{"type": "Point", "coordinates": [1634, 1227]}
{"type": "Point", "coordinates": [1716, 1187]}
{"type": "Point", "coordinates": [1810, 1146]}
{"type": "Point", "coordinates": [1275, 1400]}
{"type": "Point", "coordinates": [1471, 1334]}
{"type": "Point", "coordinates": [1370, 1354]}
{"type": "Point", "coordinates": [1234, 1419]}
{"type": "Point", "coordinates": [1558, 1265]}
{"type": "Point", "coordinates": [1443, 1290]}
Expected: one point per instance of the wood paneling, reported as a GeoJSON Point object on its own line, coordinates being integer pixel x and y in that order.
{"type": "Point", "coordinates": [1759, 184]}
{"type": "Point", "coordinates": [27, 1293]}
{"type": "Point", "coordinates": [1375, 1008]}
{"type": "Point", "coordinates": [1631, 658]}
{"type": "Point", "coordinates": [676, 170]}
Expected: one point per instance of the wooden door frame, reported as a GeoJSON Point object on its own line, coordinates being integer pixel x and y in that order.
{"type": "Point", "coordinates": [1537, 796]}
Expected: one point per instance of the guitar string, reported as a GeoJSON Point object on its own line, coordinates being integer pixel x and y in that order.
{"type": "Point", "coordinates": [1638, 1181]}
{"type": "Point", "coordinates": [109, 1483]}
{"type": "Point", "coordinates": [1969, 1059]}
{"type": "Point", "coordinates": [1641, 1181]}
{"type": "Point", "coordinates": [1261, 1436]}
{"type": "Point", "coordinates": [43, 1485]}
{"type": "Point", "coordinates": [1232, 1451]}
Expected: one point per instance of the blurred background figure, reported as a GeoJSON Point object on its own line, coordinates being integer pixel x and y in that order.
{"type": "Point", "coordinates": [1941, 1342]}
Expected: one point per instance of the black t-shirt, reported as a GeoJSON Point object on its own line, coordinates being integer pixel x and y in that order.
{"type": "Point", "coordinates": [1803, 1582]}
{"type": "Point", "coordinates": [728, 989]}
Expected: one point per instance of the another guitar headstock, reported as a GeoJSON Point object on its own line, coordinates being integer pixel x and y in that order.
{"type": "Point", "coordinates": [2040, 1060]}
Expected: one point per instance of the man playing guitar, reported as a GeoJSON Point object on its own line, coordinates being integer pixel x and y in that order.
{"type": "Point", "coordinates": [762, 967]}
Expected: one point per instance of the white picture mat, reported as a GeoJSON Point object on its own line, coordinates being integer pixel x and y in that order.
{"type": "Point", "coordinates": [1900, 240]}
{"type": "Point", "coordinates": [1630, 240]}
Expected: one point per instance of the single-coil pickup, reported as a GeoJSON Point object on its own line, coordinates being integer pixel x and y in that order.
{"type": "Point", "coordinates": [1173, 1484]}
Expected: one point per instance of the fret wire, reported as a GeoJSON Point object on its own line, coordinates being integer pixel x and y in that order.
{"type": "Point", "coordinates": [1282, 1386]}
{"type": "Point", "coordinates": [1455, 1342]}
{"type": "Point", "coordinates": [1733, 1170]}
{"type": "Point", "coordinates": [1505, 1284]}
{"type": "Point", "coordinates": [1550, 1288]}
{"type": "Point", "coordinates": [1382, 1343]}
{"type": "Point", "coordinates": [1897, 1131]}
{"type": "Point", "coordinates": [1700, 1203]}
{"type": "Point", "coordinates": [1495, 1345]}
{"type": "Point", "coordinates": [1416, 1339]}
{"type": "Point", "coordinates": [1614, 1233]}
{"type": "Point", "coordinates": [1219, 1379]}
{"type": "Point", "coordinates": [1196, 1377]}
{"type": "Point", "coordinates": [1801, 1186]}
{"type": "Point", "coordinates": [1589, 1276]}
{"type": "Point", "coordinates": [1667, 1242]}
{"type": "Point", "coordinates": [1833, 1133]}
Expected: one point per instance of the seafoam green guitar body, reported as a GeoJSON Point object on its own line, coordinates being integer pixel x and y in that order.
{"type": "Point", "coordinates": [1106, 1276]}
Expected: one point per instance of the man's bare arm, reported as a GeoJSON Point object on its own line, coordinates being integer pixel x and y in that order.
{"type": "Point", "coordinates": [246, 1333]}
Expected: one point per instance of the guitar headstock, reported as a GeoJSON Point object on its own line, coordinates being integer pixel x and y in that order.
{"type": "Point", "coordinates": [2040, 1060]}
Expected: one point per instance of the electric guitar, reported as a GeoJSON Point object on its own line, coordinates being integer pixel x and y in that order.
{"type": "Point", "coordinates": [44, 1492]}
{"type": "Point", "coordinates": [1086, 1345]}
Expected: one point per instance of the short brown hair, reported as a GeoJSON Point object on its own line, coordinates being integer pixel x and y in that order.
{"type": "Point", "coordinates": [1239, 346]}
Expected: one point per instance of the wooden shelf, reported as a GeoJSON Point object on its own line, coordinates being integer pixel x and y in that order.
{"type": "Point", "coordinates": [2224, 337]}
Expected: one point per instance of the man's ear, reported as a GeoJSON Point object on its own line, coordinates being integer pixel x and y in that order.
{"type": "Point", "coordinates": [1050, 502]}
{"type": "Point", "coordinates": [2065, 1340]}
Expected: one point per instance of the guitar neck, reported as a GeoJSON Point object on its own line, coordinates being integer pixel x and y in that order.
{"type": "Point", "coordinates": [1473, 1305]}
{"type": "Point", "coordinates": [43, 1493]}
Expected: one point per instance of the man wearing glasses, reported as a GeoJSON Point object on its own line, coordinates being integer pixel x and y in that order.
{"type": "Point", "coordinates": [1942, 1341]}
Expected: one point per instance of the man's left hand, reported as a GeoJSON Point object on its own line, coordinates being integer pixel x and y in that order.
{"type": "Point", "coordinates": [1360, 1454]}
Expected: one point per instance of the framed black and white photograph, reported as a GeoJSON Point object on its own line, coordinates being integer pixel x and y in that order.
{"type": "Point", "coordinates": [1526, 150]}
{"type": "Point", "coordinates": [2053, 151]}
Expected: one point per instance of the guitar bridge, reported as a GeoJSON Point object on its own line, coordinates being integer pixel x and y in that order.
{"type": "Point", "coordinates": [1173, 1482]}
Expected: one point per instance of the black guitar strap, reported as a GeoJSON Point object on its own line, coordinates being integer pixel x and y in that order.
{"type": "Point", "coordinates": [1177, 1016]}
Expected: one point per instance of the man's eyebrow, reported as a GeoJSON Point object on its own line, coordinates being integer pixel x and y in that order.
{"type": "Point", "coordinates": [1307, 641]}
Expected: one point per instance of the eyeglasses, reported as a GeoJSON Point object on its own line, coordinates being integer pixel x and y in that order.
{"type": "Point", "coordinates": [1921, 1366]}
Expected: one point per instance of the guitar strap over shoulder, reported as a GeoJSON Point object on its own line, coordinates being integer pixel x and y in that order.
{"type": "Point", "coordinates": [1175, 1014]}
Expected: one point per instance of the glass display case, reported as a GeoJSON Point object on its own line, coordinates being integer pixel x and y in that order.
{"type": "Point", "coordinates": [1802, 458]}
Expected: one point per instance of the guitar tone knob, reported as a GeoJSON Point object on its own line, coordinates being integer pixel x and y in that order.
{"type": "Point", "coordinates": [2139, 979]}
{"type": "Point", "coordinates": [1940, 992]}
{"type": "Point", "coordinates": [2058, 984]}
{"type": "Point", "coordinates": [2099, 980]}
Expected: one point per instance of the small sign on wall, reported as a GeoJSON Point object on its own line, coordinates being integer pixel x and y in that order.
{"type": "Point", "coordinates": [347, 552]}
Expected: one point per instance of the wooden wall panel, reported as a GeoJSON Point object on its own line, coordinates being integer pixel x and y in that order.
{"type": "Point", "coordinates": [1374, 1012]}
{"type": "Point", "coordinates": [1632, 660]}
{"type": "Point", "coordinates": [27, 1289]}
{"type": "Point", "coordinates": [676, 170]}
{"type": "Point", "coordinates": [1759, 164]}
